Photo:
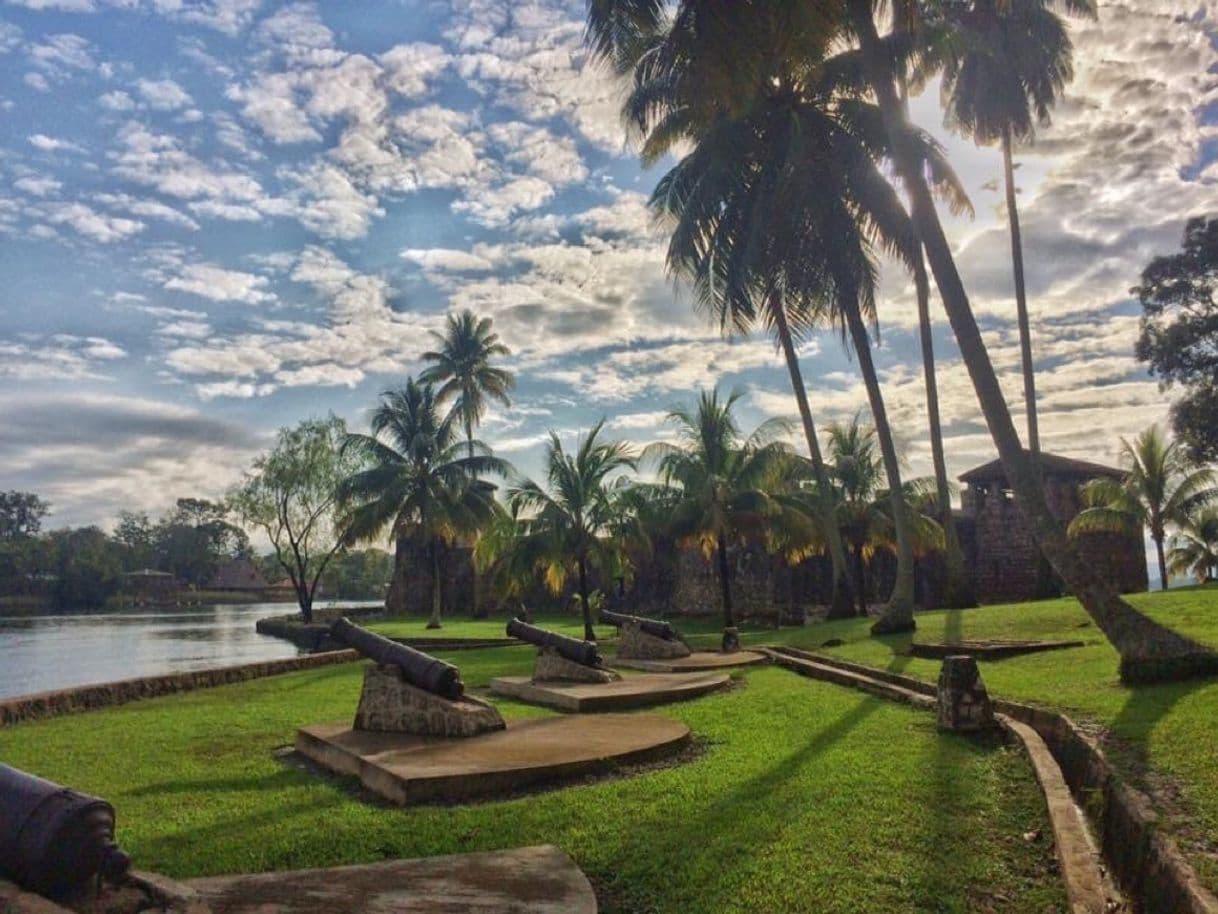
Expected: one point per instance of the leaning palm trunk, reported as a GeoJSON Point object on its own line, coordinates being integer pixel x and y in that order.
{"type": "Point", "coordinates": [1021, 298]}
{"type": "Point", "coordinates": [840, 603]}
{"type": "Point", "coordinates": [1148, 651]}
{"type": "Point", "coordinates": [898, 612]}
{"type": "Point", "coordinates": [434, 621]}
{"type": "Point", "coordinates": [731, 637]}
{"type": "Point", "coordinates": [957, 591]}
{"type": "Point", "coordinates": [1158, 538]}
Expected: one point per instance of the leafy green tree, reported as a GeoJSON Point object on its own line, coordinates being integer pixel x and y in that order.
{"type": "Point", "coordinates": [21, 514]}
{"type": "Point", "coordinates": [1194, 547]}
{"type": "Point", "coordinates": [1179, 338]}
{"type": "Point", "coordinates": [570, 521]}
{"type": "Point", "coordinates": [87, 568]}
{"type": "Point", "coordinates": [462, 367]}
{"type": "Point", "coordinates": [135, 534]}
{"type": "Point", "coordinates": [414, 481]}
{"type": "Point", "coordinates": [1161, 488]}
{"type": "Point", "coordinates": [289, 495]}
{"type": "Point", "coordinates": [1004, 63]}
{"type": "Point", "coordinates": [727, 485]}
{"type": "Point", "coordinates": [194, 538]}
{"type": "Point", "coordinates": [358, 574]}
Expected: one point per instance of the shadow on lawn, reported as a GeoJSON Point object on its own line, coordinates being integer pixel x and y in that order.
{"type": "Point", "coordinates": [1144, 709]}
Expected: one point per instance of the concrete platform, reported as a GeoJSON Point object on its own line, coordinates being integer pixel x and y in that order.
{"type": "Point", "coordinates": [416, 769]}
{"type": "Point", "coordinates": [698, 661]}
{"type": "Point", "coordinates": [527, 880]}
{"type": "Point", "coordinates": [630, 692]}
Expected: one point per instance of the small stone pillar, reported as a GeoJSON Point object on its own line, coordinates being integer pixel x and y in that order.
{"type": "Point", "coordinates": [964, 704]}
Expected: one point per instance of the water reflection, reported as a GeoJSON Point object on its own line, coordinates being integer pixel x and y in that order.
{"type": "Point", "coordinates": [39, 653]}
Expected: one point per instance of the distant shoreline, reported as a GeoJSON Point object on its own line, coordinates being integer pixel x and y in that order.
{"type": "Point", "coordinates": [23, 606]}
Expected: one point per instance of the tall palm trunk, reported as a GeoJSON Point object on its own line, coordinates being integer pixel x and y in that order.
{"type": "Point", "coordinates": [1149, 652]}
{"type": "Point", "coordinates": [840, 603]}
{"type": "Point", "coordinates": [731, 637]}
{"type": "Point", "coordinates": [434, 621]}
{"type": "Point", "coordinates": [957, 590]}
{"type": "Point", "coordinates": [1157, 536]}
{"type": "Point", "coordinates": [860, 578]}
{"type": "Point", "coordinates": [898, 612]}
{"type": "Point", "coordinates": [474, 581]}
{"type": "Point", "coordinates": [589, 631]}
{"type": "Point", "coordinates": [1021, 298]}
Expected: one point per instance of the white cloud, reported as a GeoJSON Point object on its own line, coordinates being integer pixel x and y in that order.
{"type": "Point", "coordinates": [84, 220]}
{"type": "Point", "coordinates": [116, 101]}
{"type": "Point", "coordinates": [448, 260]}
{"type": "Point", "coordinates": [52, 144]}
{"type": "Point", "coordinates": [38, 186]}
{"type": "Point", "coordinates": [163, 94]}
{"type": "Point", "coordinates": [218, 284]}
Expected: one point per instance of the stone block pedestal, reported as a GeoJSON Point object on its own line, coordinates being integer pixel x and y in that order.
{"type": "Point", "coordinates": [553, 667]}
{"type": "Point", "coordinates": [389, 704]}
{"type": "Point", "coordinates": [964, 704]}
{"type": "Point", "coordinates": [635, 644]}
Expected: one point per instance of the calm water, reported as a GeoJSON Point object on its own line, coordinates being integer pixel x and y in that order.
{"type": "Point", "coordinates": [38, 653]}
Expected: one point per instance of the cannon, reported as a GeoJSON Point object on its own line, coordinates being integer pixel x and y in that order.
{"type": "Point", "coordinates": [581, 652]}
{"type": "Point", "coordinates": [417, 668]}
{"type": "Point", "coordinates": [653, 627]}
{"type": "Point", "coordinates": [54, 840]}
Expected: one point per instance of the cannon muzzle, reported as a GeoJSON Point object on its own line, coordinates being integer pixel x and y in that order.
{"type": "Point", "coordinates": [572, 649]}
{"type": "Point", "coordinates": [53, 840]}
{"type": "Point", "coordinates": [654, 627]}
{"type": "Point", "coordinates": [419, 669]}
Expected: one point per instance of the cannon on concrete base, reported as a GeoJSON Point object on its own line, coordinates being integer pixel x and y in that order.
{"type": "Point", "coordinates": [561, 658]}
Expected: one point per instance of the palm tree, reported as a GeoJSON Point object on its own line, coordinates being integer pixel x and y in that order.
{"type": "Point", "coordinates": [726, 482]}
{"type": "Point", "coordinates": [1162, 488]}
{"type": "Point", "coordinates": [1004, 63]}
{"type": "Point", "coordinates": [417, 484]}
{"type": "Point", "coordinates": [569, 521]}
{"type": "Point", "coordinates": [462, 367]}
{"type": "Point", "coordinates": [1194, 547]}
{"type": "Point", "coordinates": [862, 501]}
{"type": "Point", "coordinates": [755, 229]}
{"type": "Point", "coordinates": [1148, 651]}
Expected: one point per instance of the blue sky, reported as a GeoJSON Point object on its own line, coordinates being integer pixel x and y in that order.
{"type": "Point", "coordinates": [221, 217]}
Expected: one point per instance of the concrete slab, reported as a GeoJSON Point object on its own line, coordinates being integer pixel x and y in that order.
{"type": "Point", "coordinates": [630, 692]}
{"type": "Point", "coordinates": [406, 769]}
{"type": "Point", "coordinates": [536, 880]}
{"type": "Point", "coordinates": [698, 661]}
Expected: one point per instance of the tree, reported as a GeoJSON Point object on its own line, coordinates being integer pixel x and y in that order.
{"type": "Point", "coordinates": [290, 496]}
{"type": "Point", "coordinates": [413, 481]}
{"type": "Point", "coordinates": [1162, 488]}
{"type": "Point", "coordinates": [21, 514]}
{"type": "Point", "coordinates": [778, 210]}
{"type": "Point", "coordinates": [462, 368]}
{"type": "Point", "coordinates": [135, 534]}
{"type": "Point", "coordinates": [1004, 63]}
{"type": "Point", "coordinates": [727, 485]}
{"type": "Point", "coordinates": [86, 568]}
{"type": "Point", "coordinates": [1179, 337]}
{"type": "Point", "coordinates": [1148, 651]}
{"type": "Point", "coordinates": [194, 538]}
{"type": "Point", "coordinates": [1194, 547]}
{"type": "Point", "coordinates": [570, 521]}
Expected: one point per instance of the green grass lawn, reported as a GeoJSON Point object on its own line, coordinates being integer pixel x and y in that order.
{"type": "Point", "coordinates": [806, 797]}
{"type": "Point", "coordinates": [1165, 737]}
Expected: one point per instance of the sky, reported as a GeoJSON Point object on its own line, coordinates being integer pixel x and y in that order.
{"type": "Point", "coordinates": [220, 217]}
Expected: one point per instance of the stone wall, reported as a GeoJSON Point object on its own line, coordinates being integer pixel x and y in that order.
{"type": "Point", "coordinates": [410, 590]}
{"type": "Point", "coordinates": [91, 697]}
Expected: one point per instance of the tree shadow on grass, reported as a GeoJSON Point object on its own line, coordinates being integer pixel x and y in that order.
{"type": "Point", "coordinates": [275, 780]}
{"type": "Point", "coordinates": [724, 835]}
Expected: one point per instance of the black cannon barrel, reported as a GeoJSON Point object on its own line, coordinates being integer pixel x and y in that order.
{"type": "Point", "coordinates": [572, 649]}
{"type": "Point", "coordinates": [419, 669]}
{"type": "Point", "coordinates": [655, 627]}
{"type": "Point", "coordinates": [54, 840]}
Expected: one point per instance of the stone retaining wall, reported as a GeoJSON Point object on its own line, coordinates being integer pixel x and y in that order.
{"type": "Point", "coordinates": [90, 697]}
{"type": "Point", "coordinates": [1147, 863]}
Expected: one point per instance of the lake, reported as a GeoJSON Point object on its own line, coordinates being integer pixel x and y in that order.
{"type": "Point", "coordinates": [40, 653]}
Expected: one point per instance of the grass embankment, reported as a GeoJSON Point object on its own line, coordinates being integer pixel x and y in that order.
{"type": "Point", "coordinates": [807, 797]}
{"type": "Point", "coordinates": [1164, 737]}
{"type": "Point", "coordinates": [700, 631]}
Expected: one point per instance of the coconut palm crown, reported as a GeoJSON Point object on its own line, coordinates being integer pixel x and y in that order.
{"type": "Point", "coordinates": [569, 521]}
{"type": "Point", "coordinates": [461, 366]}
{"type": "Point", "coordinates": [1161, 488]}
{"type": "Point", "coordinates": [418, 482]}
